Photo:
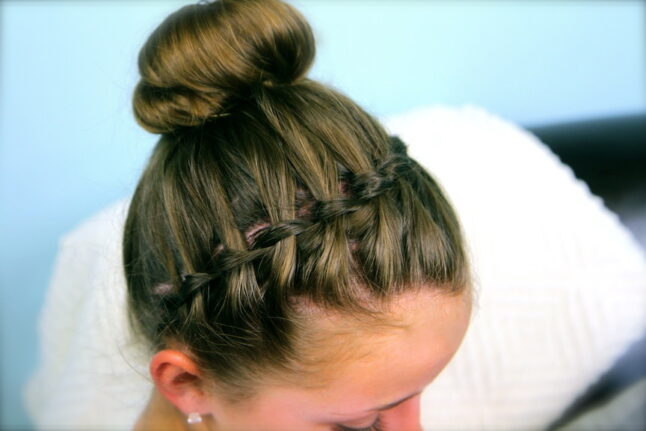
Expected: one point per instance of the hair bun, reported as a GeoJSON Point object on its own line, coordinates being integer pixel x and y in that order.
{"type": "Point", "coordinates": [205, 56]}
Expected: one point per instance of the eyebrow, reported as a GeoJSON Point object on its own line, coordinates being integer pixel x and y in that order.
{"type": "Point", "coordinates": [386, 406]}
{"type": "Point", "coordinates": [396, 403]}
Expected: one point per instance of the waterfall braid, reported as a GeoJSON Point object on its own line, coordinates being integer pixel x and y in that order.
{"type": "Point", "coordinates": [267, 191]}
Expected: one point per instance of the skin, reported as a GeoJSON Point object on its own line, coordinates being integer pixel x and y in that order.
{"type": "Point", "coordinates": [383, 378]}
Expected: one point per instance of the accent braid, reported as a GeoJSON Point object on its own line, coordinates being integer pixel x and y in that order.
{"type": "Point", "coordinates": [364, 187]}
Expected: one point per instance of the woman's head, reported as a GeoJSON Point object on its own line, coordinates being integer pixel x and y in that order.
{"type": "Point", "coordinates": [277, 231]}
{"type": "Point", "coordinates": [368, 372]}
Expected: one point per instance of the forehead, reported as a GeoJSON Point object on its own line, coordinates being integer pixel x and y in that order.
{"type": "Point", "coordinates": [419, 328]}
{"type": "Point", "coordinates": [366, 363]}
{"type": "Point", "coordinates": [416, 310]}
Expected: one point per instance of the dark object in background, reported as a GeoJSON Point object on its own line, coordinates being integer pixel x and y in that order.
{"type": "Point", "coordinates": [609, 154]}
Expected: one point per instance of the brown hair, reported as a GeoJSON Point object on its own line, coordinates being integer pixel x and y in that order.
{"type": "Point", "coordinates": [267, 189]}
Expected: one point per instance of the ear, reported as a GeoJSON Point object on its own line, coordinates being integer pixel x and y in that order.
{"type": "Point", "coordinates": [178, 378]}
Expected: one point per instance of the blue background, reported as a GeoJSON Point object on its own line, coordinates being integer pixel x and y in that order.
{"type": "Point", "coordinates": [69, 144]}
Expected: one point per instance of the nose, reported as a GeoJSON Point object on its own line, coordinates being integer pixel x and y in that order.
{"type": "Point", "coordinates": [404, 417]}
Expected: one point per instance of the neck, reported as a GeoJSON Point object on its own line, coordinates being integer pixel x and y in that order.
{"type": "Point", "coordinates": [162, 415]}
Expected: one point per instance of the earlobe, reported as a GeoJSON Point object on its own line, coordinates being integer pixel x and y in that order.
{"type": "Point", "coordinates": [178, 379]}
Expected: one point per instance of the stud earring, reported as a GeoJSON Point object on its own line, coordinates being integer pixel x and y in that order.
{"type": "Point", "coordinates": [193, 418]}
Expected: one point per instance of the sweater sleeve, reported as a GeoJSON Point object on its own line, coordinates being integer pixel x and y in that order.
{"type": "Point", "coordinates": [92, 373]}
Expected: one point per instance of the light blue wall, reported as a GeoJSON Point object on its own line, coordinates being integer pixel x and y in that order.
{"type": "Point", "coordinates": [530, 61]}
{"type": "Point", "coordinates": [69, 145]}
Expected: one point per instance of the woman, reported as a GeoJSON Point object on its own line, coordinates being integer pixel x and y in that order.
{"type": "Point", "coordinates": [289, 265]}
